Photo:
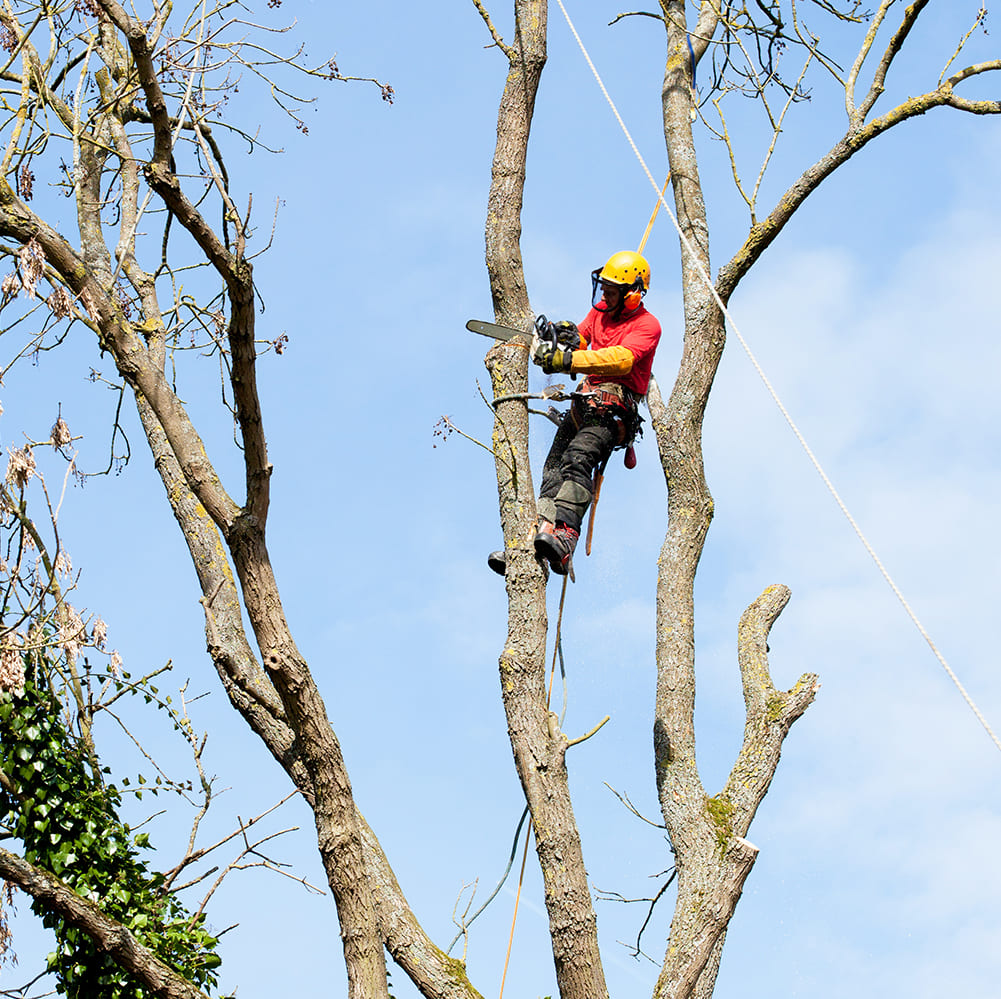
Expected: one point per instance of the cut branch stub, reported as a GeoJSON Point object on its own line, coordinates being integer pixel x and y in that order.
{"type": "Point", "coordinates": [763, 702]}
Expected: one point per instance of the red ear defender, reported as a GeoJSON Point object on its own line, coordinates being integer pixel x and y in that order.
{"type": "Point", "coordinates": [634, 296]}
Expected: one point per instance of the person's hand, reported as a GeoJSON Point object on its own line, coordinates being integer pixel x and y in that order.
{"type": "Point", "coordinates": [552, 359]}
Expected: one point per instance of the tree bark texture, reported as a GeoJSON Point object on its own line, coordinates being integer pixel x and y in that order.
{"type": "Point", "coordinates": [712, 857]}
{"type": "Point", "coordinates": [538, 745]}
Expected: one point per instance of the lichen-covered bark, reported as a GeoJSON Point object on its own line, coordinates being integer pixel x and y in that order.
{"type": "Point", "coordinates": [678, 425]}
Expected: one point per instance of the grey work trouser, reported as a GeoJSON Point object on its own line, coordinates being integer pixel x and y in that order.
{"type": "Point", "coordinates": [585, 439]}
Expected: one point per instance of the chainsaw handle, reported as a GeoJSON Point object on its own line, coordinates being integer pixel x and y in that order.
{"type": "Point", "coordinates": [546, 331]}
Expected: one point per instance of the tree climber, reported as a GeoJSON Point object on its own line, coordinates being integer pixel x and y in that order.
{"type": "Point", "coordinates": [614, 347]}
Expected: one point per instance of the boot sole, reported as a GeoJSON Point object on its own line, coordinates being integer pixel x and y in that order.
{"type": "Point", "coordinates": [548, 551]}
{"type": "Point", "coordinates": [498, 562]}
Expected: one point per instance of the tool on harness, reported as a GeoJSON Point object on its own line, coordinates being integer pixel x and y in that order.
{"type": "Point", "coordinates": [616, 403]}
{"type": "Point", "coordinates": [552, 414]}
{"type": "Point", "coordinates": [599, 477]}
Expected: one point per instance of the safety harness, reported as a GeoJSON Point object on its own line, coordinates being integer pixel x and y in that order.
{"type": "Point", "coordinates": [610, 404]}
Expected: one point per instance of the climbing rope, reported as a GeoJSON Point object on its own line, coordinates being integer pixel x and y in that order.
{"type": "Point", "coordinates": [500, 884]}
{"type": "Point", "coordinates": [771, 391]}
{"type": "Point", "coordinates": [653, 217]}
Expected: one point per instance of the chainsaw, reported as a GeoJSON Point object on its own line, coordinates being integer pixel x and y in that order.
{"type": "Point", "coordinates": [552, 333]}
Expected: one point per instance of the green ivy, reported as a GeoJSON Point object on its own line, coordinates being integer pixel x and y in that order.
{"type": "Point", "coordinates": [67, 818]}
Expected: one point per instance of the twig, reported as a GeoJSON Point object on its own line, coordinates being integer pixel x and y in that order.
{"type": "Point", "coordinates": [624, 798]}
{"type": "Point", "coordinates": [494, 34]}
{"type": "Point", "coordinates": [980, 18]}
{"type": "Point", "coordinates": [512, 468]}
{"type": "Point", "coordinates": [587, 735]}
{"type": "Point", "coordinates": [251, 849]}
{"type": "Point", "coordinates": [195, 855]}
{"type": "Point", "coordinates": [462, 922]}
{"type": "Point", "coordinates": [607, 896]}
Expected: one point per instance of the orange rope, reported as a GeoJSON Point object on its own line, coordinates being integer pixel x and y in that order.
{"type": "Point", "coordinates": [517, 899]}
{"type": "Point", "coordinates": [653, 218]}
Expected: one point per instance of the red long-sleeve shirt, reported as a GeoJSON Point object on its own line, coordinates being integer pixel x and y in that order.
{"type": "Point", "coordinates": [620, 350]}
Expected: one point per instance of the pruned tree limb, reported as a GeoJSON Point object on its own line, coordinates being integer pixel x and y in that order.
{"type": "Point", "coordinates": [707, 833]}
{"type": "Point", "coordinates": [770, 712]}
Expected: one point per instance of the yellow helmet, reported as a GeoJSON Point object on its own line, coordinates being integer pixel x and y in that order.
{"type": "Point", "coordinates": [628, 269]}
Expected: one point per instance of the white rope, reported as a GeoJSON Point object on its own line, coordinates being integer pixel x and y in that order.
{"type": "Point", "coordinates": [778, 402]}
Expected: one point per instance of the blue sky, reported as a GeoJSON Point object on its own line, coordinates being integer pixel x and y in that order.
{"type": "Point", "coordinates": [874, 315]}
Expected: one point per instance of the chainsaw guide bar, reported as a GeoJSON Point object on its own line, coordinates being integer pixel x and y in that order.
{"type": "Point", "coordinates": [494, 331]}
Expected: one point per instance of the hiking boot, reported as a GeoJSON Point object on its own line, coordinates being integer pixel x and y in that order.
{"type": "Point", "coordinates": [498, 562]}
{"type": "Point", "coordinates": [556, 543]}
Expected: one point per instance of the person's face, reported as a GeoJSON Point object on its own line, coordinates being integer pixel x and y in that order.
{"type": "Point", "coordinates": [611, 295]}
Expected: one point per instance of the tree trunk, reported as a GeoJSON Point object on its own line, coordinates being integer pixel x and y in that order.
{"type": "Point", "coordinates": [711, 856]}
{"type": "Point", "coordinates": [539, 746]}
